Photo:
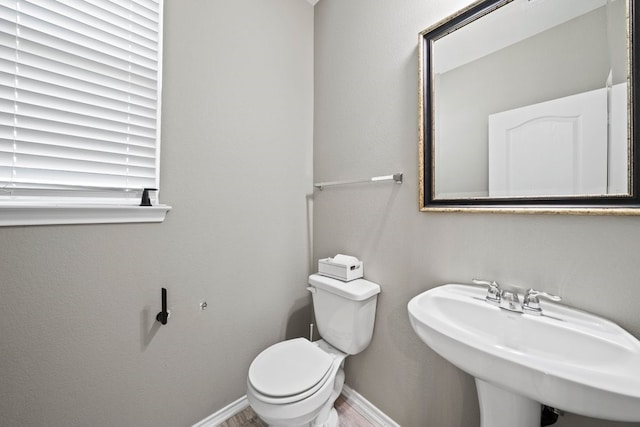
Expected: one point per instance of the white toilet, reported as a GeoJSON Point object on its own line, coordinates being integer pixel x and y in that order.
{"type": "Point", "coordinates": [296, 382]}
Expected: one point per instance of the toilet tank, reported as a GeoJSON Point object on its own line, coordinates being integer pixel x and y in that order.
{"type": "Point", "coordinates": [345, 311]}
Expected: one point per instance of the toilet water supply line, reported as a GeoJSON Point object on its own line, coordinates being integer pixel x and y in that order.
{"type": "Point", "coordinates": [312, 290]}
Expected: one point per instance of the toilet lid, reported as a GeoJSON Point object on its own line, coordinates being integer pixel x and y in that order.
{"type": "Point", "coordinates": [289, 368]}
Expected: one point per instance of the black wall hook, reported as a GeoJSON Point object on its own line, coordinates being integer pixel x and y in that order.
{"type": "Point", "coordinates": [164, 314]}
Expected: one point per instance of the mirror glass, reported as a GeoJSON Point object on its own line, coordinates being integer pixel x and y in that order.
{"type": "Point", "coordinates": [528, 102]}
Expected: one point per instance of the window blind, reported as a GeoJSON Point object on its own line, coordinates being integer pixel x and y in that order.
{"type": "Point", "coordinates": [79, 99]}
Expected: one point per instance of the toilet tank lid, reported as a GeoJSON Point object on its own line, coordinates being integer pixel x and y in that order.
{"type": "Point", "coordinates": [357, 290]}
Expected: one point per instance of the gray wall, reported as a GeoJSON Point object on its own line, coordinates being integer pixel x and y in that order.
{"type": "Point", "coordinates": [79, 345]}
{"type": "Point", "coordinates": [366, 125]}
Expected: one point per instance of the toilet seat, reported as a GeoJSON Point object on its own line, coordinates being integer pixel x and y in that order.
{"type": "Point", "coordinates": [290, 371]}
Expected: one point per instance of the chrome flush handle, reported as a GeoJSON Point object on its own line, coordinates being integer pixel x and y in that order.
{"type": "Point", "coordinates": [531, 301]}
{"type": "Point", "coordinates": [493, 290]}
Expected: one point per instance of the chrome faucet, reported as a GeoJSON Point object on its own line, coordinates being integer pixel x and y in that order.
{"type": "Point", "coordinates": [509, 299]}
{"type": "Point", "coordinates": [531, 303]}
{"type": "Point", "coordinates": [493, 290]}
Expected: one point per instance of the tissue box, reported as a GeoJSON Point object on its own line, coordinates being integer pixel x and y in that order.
{"type": "Point", "coordinates": [341, 267]}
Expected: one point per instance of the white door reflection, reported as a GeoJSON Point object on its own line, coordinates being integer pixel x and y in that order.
{"type": "Point", "coordinates": [559, 147]}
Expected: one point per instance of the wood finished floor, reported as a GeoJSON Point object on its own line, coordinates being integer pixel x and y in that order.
{"type": "Point", "coordinates": [348, 417]}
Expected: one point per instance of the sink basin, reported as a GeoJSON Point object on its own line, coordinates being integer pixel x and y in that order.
{"type": "Point", "coordinates": [566, 358]}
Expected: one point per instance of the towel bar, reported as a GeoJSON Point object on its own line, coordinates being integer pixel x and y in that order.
{"type": "Point", "coordinates": [397, 177]}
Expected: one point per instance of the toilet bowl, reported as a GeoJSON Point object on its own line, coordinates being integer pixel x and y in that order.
{"type": "Point", "coordinates": [296, 382]}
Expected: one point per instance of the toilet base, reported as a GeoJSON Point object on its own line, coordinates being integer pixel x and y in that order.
{"type": "Point", "coordinates": [327, 416]}
{"type": "Point", "coordinates": [332, 421]}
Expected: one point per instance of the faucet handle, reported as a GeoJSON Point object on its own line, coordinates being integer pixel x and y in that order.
{"type": "Point", "coordinates": [493, 289]}
{"type": "Point", "coordinates": [532, 300]}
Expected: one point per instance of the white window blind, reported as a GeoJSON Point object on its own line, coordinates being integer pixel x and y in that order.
{"type": "Point", "coordinates": [79, 100]}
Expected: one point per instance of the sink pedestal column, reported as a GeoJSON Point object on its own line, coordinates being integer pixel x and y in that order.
{"type": "Point", "coordinates": [502, 408]}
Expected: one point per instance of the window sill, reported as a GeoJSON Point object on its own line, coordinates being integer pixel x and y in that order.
{"type": "Point", "coordinates": [32, 214]}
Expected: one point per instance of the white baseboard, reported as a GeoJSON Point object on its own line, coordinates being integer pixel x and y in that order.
{"type": "Point", "coordinates": [366, 408]}
{"type": "Point", "coordinates": [352, 397]}
{"type": "Point", "coordinates": [224, 414]}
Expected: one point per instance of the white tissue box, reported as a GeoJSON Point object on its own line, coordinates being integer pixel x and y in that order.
{"type": "Point", "coordinates": [341, 267]}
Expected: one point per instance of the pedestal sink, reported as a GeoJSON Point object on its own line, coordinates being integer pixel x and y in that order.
{"type": "Point", "coordinates": [565, 358]}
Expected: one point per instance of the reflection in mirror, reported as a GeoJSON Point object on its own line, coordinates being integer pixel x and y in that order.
{"type": "Point", "coordinates": [528, 102]}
